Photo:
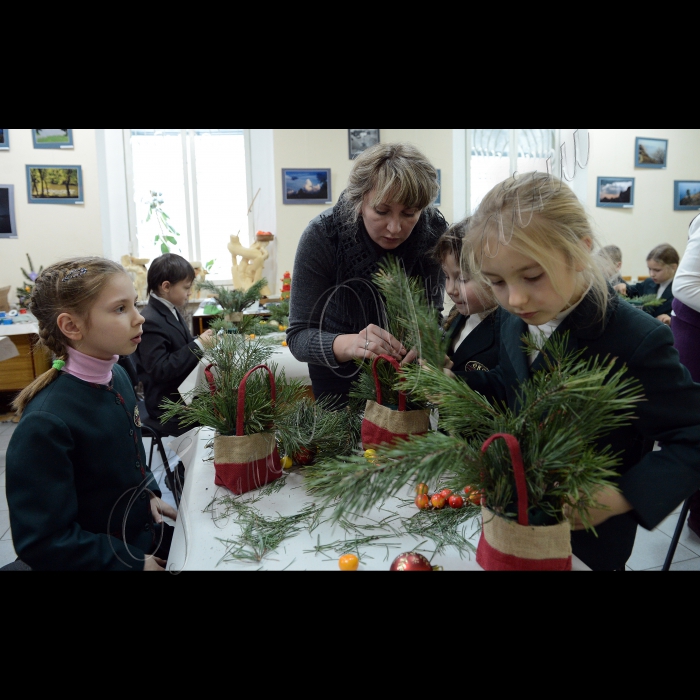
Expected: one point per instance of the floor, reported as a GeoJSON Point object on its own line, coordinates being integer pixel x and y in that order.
{"type": "Point", "coordinates": [649, 551]}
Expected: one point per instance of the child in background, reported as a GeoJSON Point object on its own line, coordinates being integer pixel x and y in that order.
{"type": "Point", "coordinates": [80, 494]}
{"type": "Point", "coordinates": [611, 256]}
{"type": "Point", "coordinates": [531, 239]}
{"type": "Point", "coordinates": [473, 324]}
{"type": "Point", "coordinates": [662, 263]}
{"type": "Point", "coordinates": [167, 353]}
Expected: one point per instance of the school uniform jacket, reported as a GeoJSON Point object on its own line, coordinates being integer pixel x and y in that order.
{"type": "Point", "coordinates": [648, 286]}
{"type": "Point", "coordinates": [479, 350]}
{"type": "Point", "coordinates": [166, 355]}
{"type": "Point", "coordinates": [77, 479]}
{"type": "Point", "coordinates": [654, 482]}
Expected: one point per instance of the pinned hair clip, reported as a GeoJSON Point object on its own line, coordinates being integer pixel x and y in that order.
{"type": "Point", "coordinates": [73, 274]}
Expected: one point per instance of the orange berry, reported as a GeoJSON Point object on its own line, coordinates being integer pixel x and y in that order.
{"type": "Point", "coordinates": [348, 562]}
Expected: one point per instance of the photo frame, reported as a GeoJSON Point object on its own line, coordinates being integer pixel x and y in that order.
{"type": "Point", "coordinates": [650, 153]}
{"type": "Point", "coordinates": [615, 192]}
{"type": "Point", "coordinates": [306, 186]}
{"type": "Point", "coordinates": [8, 224]}
{"type": "Point", "coordinates": [4, 140]}
{"type": "Point", "coordinates": [52, 138]}
{"type": "Point", "coordinates": [55, 184]}
{"type": "Point", "coordinates": [360, 140]}
{"type": "Point", "coordinates": [686, 195]}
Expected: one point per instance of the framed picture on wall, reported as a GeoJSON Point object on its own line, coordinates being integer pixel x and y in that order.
{"type": "Point", "coordinates": [306, 186]}
{"type": "Point", "coordinates": [4, 140]}
{"type": "Point", "coordinates": [615, 192]}
{"type": "Point", "coordinates": [361, 139]}
{"type": "Point", "coordinates": [686, 194]}
{"type": "Point", "coordinates": [52, 138]}
{"type": "Point", "coordinates": [8, 226]}
{"type": "Point", "coordinates": [55, 184]}
{"type": "Point", "coordinates": [650, 153]}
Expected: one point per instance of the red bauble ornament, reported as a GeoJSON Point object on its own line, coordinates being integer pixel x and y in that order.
{"type": "Point", "coordinates": [304, 456]}
{"type": "Point", "coordinates": [455, 501]}
{"type": "Point", "coordinates": [446, 493]}
{"type": "Point", "coordinates": [411, 561]}
{"type": "Point", "coordinates": [422, 489]}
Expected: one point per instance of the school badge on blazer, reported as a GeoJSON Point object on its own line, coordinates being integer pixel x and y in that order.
{"type": "Point", "coordinates": [474, 366]}
{"type": "Point", "coordinates": [137, 417]}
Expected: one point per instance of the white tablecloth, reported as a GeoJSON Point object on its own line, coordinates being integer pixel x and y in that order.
{"type": "Point", "coordinates": [201, 534]}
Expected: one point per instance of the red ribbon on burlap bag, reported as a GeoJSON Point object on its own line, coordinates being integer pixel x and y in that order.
{"type": "Point", "coordinates": [507, 545]}
{"type": "Point", "coordinates": [245, 462]}
{"type": "Point", "coordinates": [381, 424]}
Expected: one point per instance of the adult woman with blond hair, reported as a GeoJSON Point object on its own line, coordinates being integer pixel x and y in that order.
{"type": "Point", "coordinates": [336, 313]}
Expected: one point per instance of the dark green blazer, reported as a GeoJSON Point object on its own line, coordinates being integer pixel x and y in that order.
{"type": "Point", "coordinates": [480, 347]}
{"type": "Point", "coordinates": [76, 479]}
{"type": "Point", "coordinates": [654, 482]}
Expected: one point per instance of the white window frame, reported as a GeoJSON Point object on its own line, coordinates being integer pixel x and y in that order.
{"type": "Point", "coordinates": [259, 178]}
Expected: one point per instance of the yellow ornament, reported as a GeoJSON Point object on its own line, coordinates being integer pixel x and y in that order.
{"type": "Point", "coordinates": [286, 462]}
{"type": "Point", "coordinates": [284, 343]}
{"type": "Point", "coordinates": [283, 328]}
{"type": "Point", "coordinates": [252, 336]}
{"type": "Point", "coordinates": [370, 455]}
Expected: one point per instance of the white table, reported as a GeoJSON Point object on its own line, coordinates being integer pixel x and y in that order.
{"type": "Point", "coordinates": [199, 543]}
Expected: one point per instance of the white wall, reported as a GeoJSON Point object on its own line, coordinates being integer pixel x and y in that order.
{"type": "Point", "coordinates": [652, 220]}
{"type": "Point", "coordinates": [49, 232]}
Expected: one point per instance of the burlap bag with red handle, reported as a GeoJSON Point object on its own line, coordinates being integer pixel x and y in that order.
{"type": "Point", "coordinates": [245, 462]}
{"type": "Point", "coordinates": [383, 425]}
{"type": "Point", "coordinates": [506, 545]}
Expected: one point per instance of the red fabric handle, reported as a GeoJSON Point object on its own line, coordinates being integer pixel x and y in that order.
{"type": "Point", "coordinates": [241, 396]}
{"type": "Point", "coordinates": [518, 469]}
{"type": "Point", "coordinates": [210, 379]}
{"type": "Point", "coordinates": [377, 383]}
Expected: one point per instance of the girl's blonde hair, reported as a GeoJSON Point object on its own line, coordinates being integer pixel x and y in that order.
{"type": "Point", "coordinates": [69, 286]}
{"type": "Point", "coordinates": [540, 217]}
{"type": "Point", "coordinates": [396, 172]}
{"type": "Point", "coordinates": [451, 243]}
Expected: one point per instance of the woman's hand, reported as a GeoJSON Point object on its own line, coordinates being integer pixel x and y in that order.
{"type": "Point", "coordinates": [154, 564]}
{"type": "Point", "coordinates": [664, 318]}
{"type": "Point", "coordinates": [368, 344]}
{"type": "Point", "coordinates": [160, 508]}
{"type": "Point", "coordinates": [609, 502]}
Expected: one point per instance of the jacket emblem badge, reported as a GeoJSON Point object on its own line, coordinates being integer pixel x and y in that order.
{"type": "Point", "coordinates": [137, 417]}
{"type": "Point", "coordinates": [474, 366]}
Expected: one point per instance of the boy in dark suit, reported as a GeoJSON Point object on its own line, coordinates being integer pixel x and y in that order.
{"type": "Point", "coordinates": [168, 352]}
{"type": "Point", "coordinates": [662, 263]}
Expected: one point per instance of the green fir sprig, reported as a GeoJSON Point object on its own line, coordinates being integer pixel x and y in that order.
{"type": "Point", "coordinates": [565, 409]}
{"type": "Point", "coordinates": [232, 356]}
{"type": "Point", "coordinates": [234, 300]}
{"type": "Point", "coordinates": [646, 301]}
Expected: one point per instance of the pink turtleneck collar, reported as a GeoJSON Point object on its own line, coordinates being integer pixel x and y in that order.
{"type": "Point", "coordinates": [89, 369]}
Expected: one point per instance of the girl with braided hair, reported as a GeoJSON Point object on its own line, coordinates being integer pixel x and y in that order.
{"type": "Point", "coordinates": [80, 494]}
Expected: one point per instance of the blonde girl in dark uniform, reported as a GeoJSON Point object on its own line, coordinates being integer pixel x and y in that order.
{"type": "Point", "coordinates": [79, 492]}
{"type": "Point", "coordinates": [531, 239]}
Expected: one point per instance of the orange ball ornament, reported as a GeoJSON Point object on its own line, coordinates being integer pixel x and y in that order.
{"type": "Point", "coordinates": [422, 501]}
{"type": "Point", "coordinates": [437, 501]}
{"type": "Point", "coordinates": [421, 489]}
{"type": "Point", "coordinates": [348, 562]}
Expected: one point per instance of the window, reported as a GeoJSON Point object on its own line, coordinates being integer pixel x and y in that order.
{"type": "Point", "coordinates": [496, 154]}
{"type": "Point", "coordinates": [202, 177]}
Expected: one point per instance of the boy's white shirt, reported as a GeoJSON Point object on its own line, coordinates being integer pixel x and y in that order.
{"type": "Point", "coordinates": [686, 283]}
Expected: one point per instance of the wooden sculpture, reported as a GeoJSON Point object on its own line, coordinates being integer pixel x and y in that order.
{"type": "Point", "coordinates": [136, 267]}
{"type": "Point", "coordinates": [250, 268]}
